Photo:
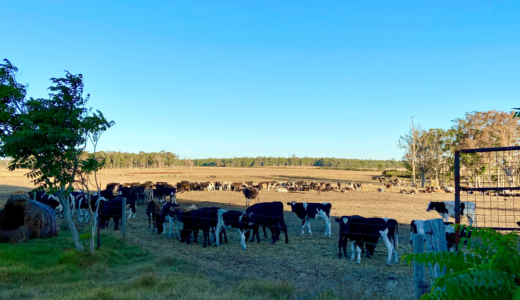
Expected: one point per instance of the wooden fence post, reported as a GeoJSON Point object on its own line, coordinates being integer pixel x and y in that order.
{"type": "Point", "coordinates": [418, 269]}
{"type": "Point", "coordinates": [123, 218]}
{"type": "Point", "coordinates": [435, 241]}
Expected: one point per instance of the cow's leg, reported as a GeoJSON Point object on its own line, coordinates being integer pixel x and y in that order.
{"type": "Point", "coordinates": [218, 232]}
{"type": "Point", "coordinates": [389, 246]}
{"type": "Point", "coordinates": [225, 235]}
{"type": "Point", "coordinates": [340, 244]}
{"type": "Point", "coordinates": [308, 221]}
{"type": "Point", "coordinates": [303, 225]}
{"type": "Point", "coordinates": [265, 233]}
{"type": "Point", "coordinates": [446, 217]}
{"type": "Point", "coordinates": [171, 226]}
{"type": "Point", "coordinates": [242, 239]}
{"type": "Point", "coordinates": [345, 240]}
{"type": "Point", "coordinates": [359, 254]}
{"type": "Point", "coordinates": [396, 255]}
{"type": "Point", "coordinates": [149, 221]}
{"type": "Point", "coordinates": [352, 249]}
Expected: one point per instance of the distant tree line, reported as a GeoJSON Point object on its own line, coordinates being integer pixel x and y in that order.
{"type": "Point", "coordinates": [164, 159]}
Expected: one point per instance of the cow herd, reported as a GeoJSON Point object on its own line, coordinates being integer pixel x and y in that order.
{"type": "Point", "coordinates": [184, 223]}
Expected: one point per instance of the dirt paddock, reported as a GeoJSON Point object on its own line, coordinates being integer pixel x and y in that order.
{"type": "Point", "coordinates": [307, 263]}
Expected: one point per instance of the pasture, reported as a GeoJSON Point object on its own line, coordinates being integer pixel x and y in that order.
{"type": "Point", "coordinates": [307, 264]}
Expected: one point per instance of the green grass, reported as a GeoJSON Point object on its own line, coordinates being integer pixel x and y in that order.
{"type": "Point", "coordinates": [52, 269]}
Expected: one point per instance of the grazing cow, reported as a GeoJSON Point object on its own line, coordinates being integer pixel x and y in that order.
{"type": "Point", "coordinates": [218, 186]}
{"type": "Point", "coordinates": [227, 219]}
{"type": "Point", "coordinates": [380, 190]}
{"type": "Point", "coordinates": [236, 186]}
{"type": "Point", "coordinates": [211, 187]}
{"type": "Point", "coordinates": [111, 209]}
{"type": "Point", "coordinates": [306, 211]}
{"type": "Point", "coordinates": [153, 211]}
{"type": "Point", "coordinates": [402, 191]}
{"type": "Point", "coordinates": [184, 187]}
{"type": "Point", "coordinates": [168, 215]}
{"type": "Point", "coordinates": [263, 186]}
{"type": "Point", "coordinates": [250, 193]}
{"type": "Point", "coordinates": [264, 214]}
{"type": "Point", "coordinates": [201, 219]}
{"type": "Point", "coordinates": [281, 190]}
{"type": "Point", "coordinates": [369, 231]}
{"type": "Point", "coordinates": [447, 209]}
{"type": "Point", "coordinates": [344, 235]}
{"type": "Point", "coordinates": [413, 192]}
{"type": "Point", "coordinates": [166, 190]}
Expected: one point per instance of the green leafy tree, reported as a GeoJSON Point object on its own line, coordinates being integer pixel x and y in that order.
{"type": "Point", "coordinates": [49, 136]}
{"type": "Point", "coordinates": [488, 267]}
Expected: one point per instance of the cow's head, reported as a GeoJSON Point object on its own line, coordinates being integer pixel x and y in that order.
{"type": "Point", "coordinates": [432, 206]}
{"type": "Point", "coordinates": [344, 224]}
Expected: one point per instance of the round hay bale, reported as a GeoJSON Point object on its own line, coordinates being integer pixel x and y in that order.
{"type": "Point", "coordinates": [23, 219]}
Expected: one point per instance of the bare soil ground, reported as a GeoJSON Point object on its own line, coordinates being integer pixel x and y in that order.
{"type": "Point", "coordinates": [307, 263]}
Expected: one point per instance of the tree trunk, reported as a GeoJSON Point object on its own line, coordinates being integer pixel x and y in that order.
{"type": "Point", "coordinates": [423, 178]}
{"type": "Point", "coordinates": [70, 223]}
{"type": "Point", "coordinates": [413, 171]}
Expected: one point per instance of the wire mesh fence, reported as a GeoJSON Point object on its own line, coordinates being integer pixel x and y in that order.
{"type": "Point", "coordinates": [489, 178]}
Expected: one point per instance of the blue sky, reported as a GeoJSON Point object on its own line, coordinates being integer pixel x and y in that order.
{"type": "Point", "coordinates": [271, 78]}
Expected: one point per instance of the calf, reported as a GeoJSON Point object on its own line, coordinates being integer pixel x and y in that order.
{"type": "Point", "coordinates": [82, 206]}
{"type": "Point", "coordinates": [201, 219]}
{"type": "Point", "coordinates": [345, 235]}
{"type": "Point", "coordinates": [132, 195]}
{"type": "Point", "coordinates": [112, 209]}
{"type": "Point", "coordinates": [264, 214]}
{"type": "Point", "coordinates": [53, 202]}
{"type": "Point", "coordinates": [369, 231]}
{"type": "Point", "coordinates": [447, 209]}
{"type": "Point", "coordinates": [306, 211]}
{"type": "Point", "coordinates": [250, 193]}
{"type": "Point", "coordinates": [168, 215]}
{"type": "Point", "coordinates": [227, 219]}
{"type": "Point", "coordinates": [153, 211]}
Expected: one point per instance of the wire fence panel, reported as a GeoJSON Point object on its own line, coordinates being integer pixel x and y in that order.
{"type": "Point", "coordinates": [489, 178]}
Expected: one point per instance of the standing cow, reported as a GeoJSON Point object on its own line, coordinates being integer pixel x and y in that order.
{"type": "Point", "coordinates": [306, 211]}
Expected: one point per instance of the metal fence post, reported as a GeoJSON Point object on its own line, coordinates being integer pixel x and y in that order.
{"type": "Point", "coordinates": [123, 217]}
{"type": "Point", "coordinates": [457, 197]}
{"type": "Point", "coordinates": [418, 268]}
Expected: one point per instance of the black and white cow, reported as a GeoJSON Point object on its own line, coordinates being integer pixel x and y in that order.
{"type": "Point", "coordinates": [345, 235]}
{"type": "Point", "coordinates": [82, 206]}
{"type": "Point", "coordinates": [447, 209]}
{"type": "Point", "coordinates": [53, 201]}
{"type": "Point", "coordinates": [368, 231]}
{"type": "Point", "coordinates": [201, 219]}
{"type": "Point", "coordinates": [417, 227]}
{"type": "Point", "coordinates": [168, 215]}
{"type": "Point", "coordinates": [132, 196]}
{"type": "Point", "coordinates": [306, 211]}
{"type": "Point", "coordinates": [227, 219]}
{"type": "Point", "coordinates": [165, 190]}
{"type": "Point", "coordinates": [263, 214]}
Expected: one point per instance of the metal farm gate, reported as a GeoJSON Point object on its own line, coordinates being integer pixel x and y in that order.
{"type": "Point", "coordinates": [490, 178]}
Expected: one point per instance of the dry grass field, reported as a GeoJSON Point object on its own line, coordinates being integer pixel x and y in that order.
{"type": "Point", "coordinates": [307, 263]}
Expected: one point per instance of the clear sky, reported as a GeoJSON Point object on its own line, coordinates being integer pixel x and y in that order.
{"type": "Point", "coordinates": [270, 78]}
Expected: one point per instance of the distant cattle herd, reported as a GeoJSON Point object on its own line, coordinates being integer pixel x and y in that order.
{"type": "Point", "coordinates": [166, 216]}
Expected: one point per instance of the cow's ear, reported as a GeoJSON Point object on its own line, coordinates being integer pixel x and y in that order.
{"type": "Point", "coordinates": [338, 220]}
{"type": "Point", "coordinates": [289, 203]}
